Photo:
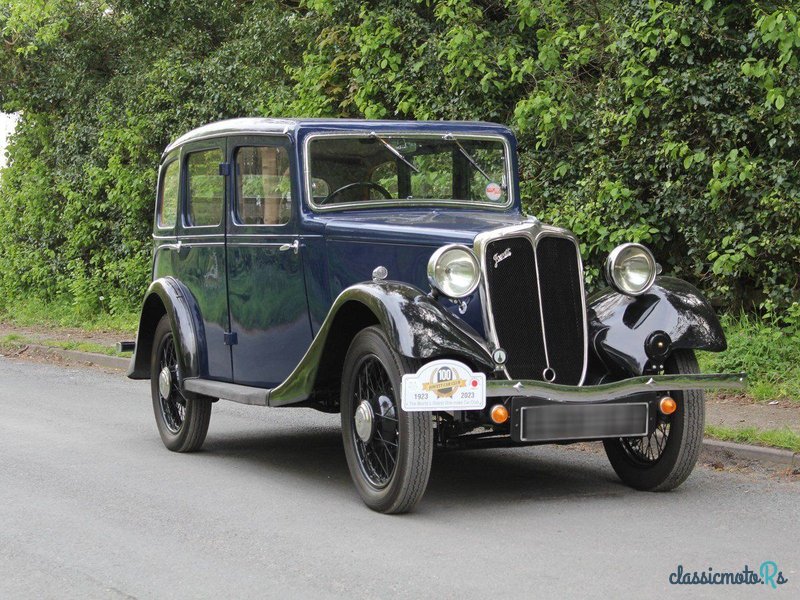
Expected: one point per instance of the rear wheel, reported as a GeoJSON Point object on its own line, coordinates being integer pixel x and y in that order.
{"type": "Point", "coordinates": [182, 423]}
{"type": "Point", "coordinates": [663, 460]}
{"type": "Point", "coordinates": [388, 450]}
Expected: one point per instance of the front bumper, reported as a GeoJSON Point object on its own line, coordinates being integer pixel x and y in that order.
{"type": "Point", "coordinates": [546, 412]}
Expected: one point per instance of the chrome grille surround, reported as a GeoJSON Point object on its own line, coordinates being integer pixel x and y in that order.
{"type": "Point", "coordinates": [533, 230]}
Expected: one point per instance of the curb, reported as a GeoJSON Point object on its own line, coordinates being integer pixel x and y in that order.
{"type": "Point", "coordinates": [733, 450]}
{"type": "Point", "coordinates": [99, 360]}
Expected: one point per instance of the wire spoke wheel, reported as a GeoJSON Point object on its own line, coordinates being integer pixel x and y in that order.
{"type": "Point", "coordinates": [173, 404]}
{"type": "Point", "coordinates": [648, 450]}
{"type": "Point", "coordinates": [388, 450]}
{"type": "Point", "coordinates": [663, 459]}
{"type": "Point", "coordinates": [182, 421]}
{"type": "Point", "coordinates": [375, 398]}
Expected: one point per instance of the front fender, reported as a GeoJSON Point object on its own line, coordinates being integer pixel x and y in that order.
{"type": "Point", "coordinates": [416, 325]}
{"type": "Point", "coordinates": [620, 325]}
{"type": "Point", "coordinates": [167, 295]}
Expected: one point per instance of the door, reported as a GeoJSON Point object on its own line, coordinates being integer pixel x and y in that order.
{"type": "Point", "coordinates": [200, 262]}
{"type": "Point", "coordinates": [266, 290]}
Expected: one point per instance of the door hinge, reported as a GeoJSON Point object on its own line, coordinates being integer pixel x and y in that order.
{"type": "Point", "coordinates": [230, 337]}
{"type": "Point", "coordinates": [225, 169]}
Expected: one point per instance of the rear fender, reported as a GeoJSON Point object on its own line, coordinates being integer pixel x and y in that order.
{"type": "Point", "coordinates": [167, 295]}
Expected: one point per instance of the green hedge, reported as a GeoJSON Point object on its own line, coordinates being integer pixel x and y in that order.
{"type": "Point", "coordinates": [671, 123]}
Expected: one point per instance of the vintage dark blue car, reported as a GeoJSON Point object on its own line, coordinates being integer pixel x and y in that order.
{"type": "Point", "coordinates": [384, 270]}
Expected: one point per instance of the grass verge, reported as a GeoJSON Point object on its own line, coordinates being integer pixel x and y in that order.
{"type": "Point", "coordinates": [776, 438]}
{"type": "Point", "coordinates": [769, 355]}
{"type": "Point", "coordinates": [32, 312]}
{"type": "Point", "coordinates": [15, 340]}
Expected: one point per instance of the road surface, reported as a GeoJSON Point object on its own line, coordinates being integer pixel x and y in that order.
{"type": "Point", "coordinates": [93, 506]}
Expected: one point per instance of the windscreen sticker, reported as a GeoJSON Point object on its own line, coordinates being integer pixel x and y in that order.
{"type": "Point", "coordinates": [494, 191]}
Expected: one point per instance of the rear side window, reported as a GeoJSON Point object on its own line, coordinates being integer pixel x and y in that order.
{"type": "Point", "coordinates": [263, 186]}
{"type": "Point", "coordinates": [168, 202]}
{"type": "Point", "coordinates": [205, 188]}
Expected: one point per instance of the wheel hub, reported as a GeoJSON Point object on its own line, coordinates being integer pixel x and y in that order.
{"type": "Point", "coordinates": [165, 382]}
{"type": "Point", "coordinates": [364, 421]}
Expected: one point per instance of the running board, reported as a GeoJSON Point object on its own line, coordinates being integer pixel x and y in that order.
{"type": "Point", "coordinates": [243, 394]}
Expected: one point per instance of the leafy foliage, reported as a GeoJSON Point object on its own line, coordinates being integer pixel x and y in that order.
{"type": "Point", "coordinates": [670, 123]}
{"type": "Point", "coordinates": [768, 354]}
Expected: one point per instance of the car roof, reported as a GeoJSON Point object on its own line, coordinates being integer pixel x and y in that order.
{"type": "Point", "coordinates": [300, 127]}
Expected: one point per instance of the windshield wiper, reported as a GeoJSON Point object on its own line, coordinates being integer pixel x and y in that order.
{"type": "Point", "coordinates": [451, 138]}
{"type": "Point", "coordinates": [395, 151]}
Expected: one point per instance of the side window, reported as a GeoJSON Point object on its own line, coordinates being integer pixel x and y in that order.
{"type": "Point", "coordinates": [205, 188]}
{"type": "Point", "coordinates": [168, 200]}
{"type": "Point", "coordinates": [263, 185]}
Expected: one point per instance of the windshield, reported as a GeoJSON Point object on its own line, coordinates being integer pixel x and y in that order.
{"type": "Point", "coordinates": [376, 169]}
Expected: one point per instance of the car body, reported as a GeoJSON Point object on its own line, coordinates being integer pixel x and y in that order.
{"type": "Point", "coordinates": [296, 257]}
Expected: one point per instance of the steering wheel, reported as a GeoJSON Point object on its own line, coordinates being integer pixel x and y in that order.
{"type": "Point", "coordinates": [367, 184]}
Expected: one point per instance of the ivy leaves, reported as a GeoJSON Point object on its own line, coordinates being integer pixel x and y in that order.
{"type": "Point", "coordinates": [670, 123]}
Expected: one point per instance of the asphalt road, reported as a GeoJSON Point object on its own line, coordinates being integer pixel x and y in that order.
{"type": "Point", "coordinates": [92, 505]}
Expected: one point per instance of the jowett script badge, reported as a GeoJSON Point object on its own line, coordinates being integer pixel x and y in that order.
{"type": "Point", "coordinates": [444, 385]}
{"type": "Point", "coordinates": [501, 256]}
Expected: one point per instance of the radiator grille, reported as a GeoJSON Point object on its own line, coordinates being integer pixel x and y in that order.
{"type": "Point", "coordinates": [562, 306]}
{"type": "Point", "coordinates": [515, 305]}
{"type": "Point", "coordinates": [513, 291]}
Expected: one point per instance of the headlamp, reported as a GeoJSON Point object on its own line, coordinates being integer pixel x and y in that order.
{"type": "Point", "coordinates": [454, 271]}
{"type": "Point", "coordinates": [631, 269]}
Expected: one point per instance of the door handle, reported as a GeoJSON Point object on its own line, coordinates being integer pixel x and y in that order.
{"type": "Point", "coordinates": [295, 246]}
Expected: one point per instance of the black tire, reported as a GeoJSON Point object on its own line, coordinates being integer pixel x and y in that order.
{"type": "Point", "coordinates": [373, 373]}
{"type": "Point", "coordinates": [182, 423]}
{"type": "Point", "coordinates": [677, 456]}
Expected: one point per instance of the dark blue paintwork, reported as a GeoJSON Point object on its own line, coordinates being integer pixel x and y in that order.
{"type": "Point", "coordinates": [266, 290]}
{"type": "Point", "coordinates": [199, 264]}
{"type": "Point", "coordinates": [355, 242]}
{"type": "Point", "coordinates": [277, 301]}
{"type": "Point", "coordinates": [289, 309]}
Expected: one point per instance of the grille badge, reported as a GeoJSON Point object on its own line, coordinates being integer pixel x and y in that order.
{"type": "Point", "coordinates": [501, 256]}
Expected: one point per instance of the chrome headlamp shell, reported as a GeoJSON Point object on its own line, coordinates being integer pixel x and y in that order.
{"type": "Point", "coordinates": [631, 269]}
{"type": "Point", "coordinates": [453, 271]}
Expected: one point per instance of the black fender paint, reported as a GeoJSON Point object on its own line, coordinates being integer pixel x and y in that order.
{"type": "Point", "coordinates": [620, 325]}
{"type": "Point", "coordinates": [416, 325]}
{"type": "Point", "coordinates": [169, 295]}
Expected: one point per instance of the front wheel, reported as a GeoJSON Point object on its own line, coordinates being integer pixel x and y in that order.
{"type": "Point", "coordinates": [388, 450]}
{"type": "Point", "coordinates": [663, 460]}
{"type": "Point", "coordinates": [182, 423]}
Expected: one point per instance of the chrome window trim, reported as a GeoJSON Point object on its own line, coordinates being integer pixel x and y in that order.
{"type": "Point", "coordinates": [389, 203]}
{"type": "Point", "coordinates": [185, 221]}
{"type": "Point", "coordinates": [261, 234]}
{"type": "Point", "coordinates": [534, 230]}
{"type": "Point", "coordinates": [284, 143]}
{"type": "Point", "coordinates": [162, 174]}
